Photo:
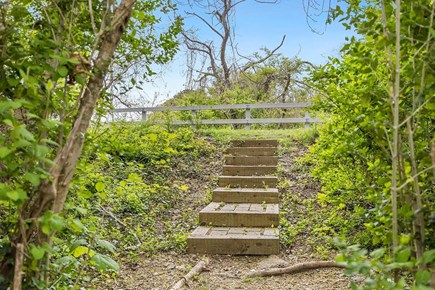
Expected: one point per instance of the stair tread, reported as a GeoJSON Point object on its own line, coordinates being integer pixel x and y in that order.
{"type": "Point", "coordinates": [251, 151]}
{"type": "Point", "coordinates": [254, 143]}
{"type": "Point", "coordinates": [248, 177]}
{"type": "Point", "coordinates": [250, 166]}
{"type": "Point", "coordinates": [251, 160]}
{"type": "Point", "coordinates": [234, 241]}
{"type": "Point", "coordinates": [247, 189]}
{"type": "Point", "coordinates": [235, 233]}
{"type": "Point", "coordinates": [241, 208]}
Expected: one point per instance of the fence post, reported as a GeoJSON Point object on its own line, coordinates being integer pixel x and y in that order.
{"type": "Point", "coordinates": [307, 119]}
{"type": "Point", "coordinates": [248, 118]}
{"type": "Point", "coordinates": [194, 118]}
{"type": "Point", "coordinates": [144, 116]}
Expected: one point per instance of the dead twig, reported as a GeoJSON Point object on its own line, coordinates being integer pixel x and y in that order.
{"type": "Point", "coordinates": [201, 266]}
{"type": "Point", "coordinates": [294, 269]}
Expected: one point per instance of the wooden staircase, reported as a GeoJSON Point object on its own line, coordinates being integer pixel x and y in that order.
{"type": "Point", "coordinates": [243, 217]}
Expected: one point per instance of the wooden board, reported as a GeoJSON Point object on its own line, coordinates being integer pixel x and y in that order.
{"type": "Point", "coordinates": [251, 151]}
{"type": "Point", "coordinates": [245, 195]}
{"type": "Point", "coordinates": [248, 181]}
{"type": "Point", "coordinates": [234, 241]}
{"type": "Point", "coordinates": [251, 160]}
{"type": "Point", "coordinates": [240, 215]}
{"type": "Point", "coordinates": [248, 170]}
{"type": "Point", "coordinates": [254, 143]}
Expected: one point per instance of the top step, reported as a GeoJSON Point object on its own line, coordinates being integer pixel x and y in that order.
{"type": "Point", "coordinates": [254, 143]}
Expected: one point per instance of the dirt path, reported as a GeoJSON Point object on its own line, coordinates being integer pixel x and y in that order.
{"type": "Point", "coordinates": [161, 271]}
{"type": "Point", "coordinates": [227, 272]}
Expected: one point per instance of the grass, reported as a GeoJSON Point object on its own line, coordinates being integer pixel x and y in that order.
{"type": "Point", "coordinates": [227, 134]}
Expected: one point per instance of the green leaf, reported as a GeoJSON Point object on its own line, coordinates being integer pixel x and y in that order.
{"type": "Point", "coordinates": [80, 251]}
{"type": "Point", "coordinates": [66, 261]}
{"type": "Point", "coordinates": [403, 255]}
{"type": "Point", "coordinates": [21, 143]}
{"type": "Point", "coordinates": [340, 258]}
{"type": "Point", "coordinates": [378, 253]}
{"type": "Point", "coordinates": [79, 242]}
{"type": "Point", "coordinates": [57, 222]}
{"type": "Point", "coordinates": [49, 86]}
{"type": "Point", "coordinates": [99, 186]}
{"type": "Point", "coordinates": [407, 265]}
{"type": "Point", "coordinates": [104, 263]}
{"type": "Point", "coordinates": [404, 239]}
{"type": "Point", "coordinates": [41, 150]}
{"type": "Point", "coordinates": [77, 225]}
{"type": "Point", "coordinates": [422, 277]}
{"type": "Point", "coordinates": [8, 122]}
{"type": "Point", "coordinates": [62, 71]}
{"type": "Point", "coordinates": [51, 222]}
{"type": "Point", "coordinates": [23, 132]}
{"type": "Point", "coordinates": [13, 82]}
{"type": "Point", "coordinates": [4, 151]}
{"type": "Point", "coordinates": [36, 252]}
{"type": "Point", "coordinates": [106, 245]}
{"type": "Point", "coordinates": [81, 210]}
{"type": "Point", "coordinates": [32, 178]}
{"type": "Point", "coordinates": [134, 177]}
{"type": "Point", "coordinates": [17, 194]}
{"type": "Point", "coordinates": [429, 256]}
{"type": "Point", "coordinates": [85, 194]}
{"type": "Point", "coordinates": [9, 105]}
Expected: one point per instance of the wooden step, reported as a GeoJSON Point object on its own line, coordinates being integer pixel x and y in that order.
{"type": "Point", "coordinates": [251, 151]}
{"type": "Point", "coordinates": [247, 170]}
{"type": "Point", "coordinates": [251, 160]}
{"type": "Point", "coordinates": [254, 143]}
{"type": "Point", "coordinates": [234, 241]}
{"type": "Point", "coordinates": [248, 181]}
{"type": "Point", "coordinates": [245, 195]}
{"type": "Point", "coordinates": [240, 215]}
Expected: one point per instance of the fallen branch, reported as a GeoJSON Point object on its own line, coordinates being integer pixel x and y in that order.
{"type": "Point", "coordinates": [294, 269]}
{"type": "Point", "coordinates": [201, 266]}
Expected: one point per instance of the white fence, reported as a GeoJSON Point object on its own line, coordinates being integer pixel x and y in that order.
{"type": "Point", "coordinates": [247, 120]}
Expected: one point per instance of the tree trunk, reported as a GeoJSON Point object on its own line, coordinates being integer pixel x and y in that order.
{"type": "Point", "coordinates": [53, 192]}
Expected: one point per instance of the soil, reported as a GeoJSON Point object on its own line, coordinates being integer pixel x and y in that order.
{"type": "Point", "coordinates": [162, 270]}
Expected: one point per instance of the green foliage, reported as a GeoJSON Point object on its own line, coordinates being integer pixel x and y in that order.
{"type": "Point", "coordinates": [287, 137]}
{"type": "Point", "coordinates": [353, 154]}
{"type": "Point", "coordinates": [122, 200]}
{"type": "Point", "coordinates": [123, 196]}
{"type": "Point", "coordinates": [47, 53]}
{"type": "Point", "coordinates": [376, 265]}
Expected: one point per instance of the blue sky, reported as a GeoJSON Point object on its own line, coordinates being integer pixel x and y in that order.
{"type": "Point", "coordinates": [261, 25]}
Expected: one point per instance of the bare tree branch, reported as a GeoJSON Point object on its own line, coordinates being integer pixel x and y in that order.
{"type": "Point", "coordinates": [253, 63]}
{"type": "Point", "coordinates": [206, 22]}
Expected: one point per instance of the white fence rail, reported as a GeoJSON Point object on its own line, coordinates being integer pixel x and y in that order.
{"type": "Point", "coordinates": [247, 120]}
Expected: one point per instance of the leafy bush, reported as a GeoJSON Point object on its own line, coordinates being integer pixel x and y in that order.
{"type": "Point", "coordinates": [373, 154]}
{"type": "Point", "coordinates": [123, 198]}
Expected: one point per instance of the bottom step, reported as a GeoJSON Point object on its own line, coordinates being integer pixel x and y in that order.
{"type": "Point", "coordinates": [234, 241]}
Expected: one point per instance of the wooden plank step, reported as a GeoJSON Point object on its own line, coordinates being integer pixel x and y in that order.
{"type": "Point", "coordinates": [246, 195]}
{"type": "Point", "coordinates": [240, 214]}
{"type": "Point", "coordinates": [251, 160]}
{"type": "Point", "coordinates": [248, 170]}
{"type": "Point", "coordinates": [251, 151]}
{"type": "Point", "coordinates": [254, 143]}
{"type": "Point", "coordinates": [234, 241]}
{"type": "Point", "coordinates": [248, 181]}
